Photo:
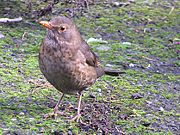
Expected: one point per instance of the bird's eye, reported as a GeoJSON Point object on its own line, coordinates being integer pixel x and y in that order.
{"type": "Point", "coordinates": [62, 29]}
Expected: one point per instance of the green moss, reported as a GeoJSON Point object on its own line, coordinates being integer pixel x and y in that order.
{"type": "Point", "coordinates": [140, 34]}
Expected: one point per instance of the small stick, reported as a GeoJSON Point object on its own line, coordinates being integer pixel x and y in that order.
{"type": "Point", "coordinates": [172, 9]}
{"type": "Point", "coordinates": [6, 20]}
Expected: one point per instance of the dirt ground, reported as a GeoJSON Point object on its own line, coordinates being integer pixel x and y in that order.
{"type": "Point", "coordinates": [138, 37]}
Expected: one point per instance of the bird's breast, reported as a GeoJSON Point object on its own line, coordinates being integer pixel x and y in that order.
{"type": "Point", "coordinates": [66, 70]}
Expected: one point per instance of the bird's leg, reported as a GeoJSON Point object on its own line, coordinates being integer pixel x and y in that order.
{"type": "Point", "coordinates": [57, 105]}
{"type": "Point", "coordinates": [78, 115]}
{"type": "Point", "coordinates": [56, 112]}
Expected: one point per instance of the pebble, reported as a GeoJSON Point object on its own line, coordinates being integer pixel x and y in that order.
{"type": "Point", "coordinates": [1, 36]}
{"type": "Point", "coordinates": [136, 96]}
{"type": "Point", "coordinates": [131, 65]}
{"type": "Point", "coordinates": [161, 109]}
{"type": "Point", "coordinates": [109, 65]}
{"type": "Point", "coordinates": [99, 90]}
{"type": "Point", "coordinates": [96, 40]}
{"type": "Point", "coordinates": [126, 43]}
{"type": "Point", "coordinates": [103, 48]}
{"type": "Point", "coordinates": [21, 113]}
{"type": "Point", "coordinates": [14, 119]}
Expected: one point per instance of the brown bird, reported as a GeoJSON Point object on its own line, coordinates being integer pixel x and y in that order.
{"type": "Point", "coordinates": [67, 61]}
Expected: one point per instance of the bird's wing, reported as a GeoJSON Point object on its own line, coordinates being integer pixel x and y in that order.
{"type": "Point", "coordinates": [91, 58]}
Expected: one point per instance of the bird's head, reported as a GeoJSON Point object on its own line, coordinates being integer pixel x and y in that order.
{"type": "Point", "coordinates": [61, 28]}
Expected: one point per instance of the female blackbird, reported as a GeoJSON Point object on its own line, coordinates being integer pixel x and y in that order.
{"type": "Point", "coordinates": [67, 61]}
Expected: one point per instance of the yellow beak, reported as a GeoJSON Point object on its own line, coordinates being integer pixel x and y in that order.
{"type": "Point", "coordinates": [46, 24]}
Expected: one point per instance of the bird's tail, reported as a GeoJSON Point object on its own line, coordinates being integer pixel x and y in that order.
{"type": "Point", "coordinates": [113, 72]}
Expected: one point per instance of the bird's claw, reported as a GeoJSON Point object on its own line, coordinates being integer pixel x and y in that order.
{"type": "Point", "coordinates": [53, 115]}
{"type": "Point", "coordinates": [76, 118]}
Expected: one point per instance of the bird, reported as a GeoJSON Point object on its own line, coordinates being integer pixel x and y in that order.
{"type": "Point", "coordinates": [68, 62]}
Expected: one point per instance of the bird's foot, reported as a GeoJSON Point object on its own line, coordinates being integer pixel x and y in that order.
{"type": "Point", "coordinates": [54, 114]}
{"type": "Point", "coordinates": [76, 118]}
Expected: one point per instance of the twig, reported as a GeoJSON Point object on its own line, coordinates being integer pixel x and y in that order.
{"type": "Point", "coordinates": [24, 34]}
{"type": "Point", "coordinates": [148, 58]}
{"type": "Point", "coordinates": [6, 20]}
{"type": "Point", "coordinates": [172, 9]}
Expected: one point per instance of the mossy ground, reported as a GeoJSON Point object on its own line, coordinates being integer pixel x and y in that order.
{"type": "Point", "coordinates": [144, 42]}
